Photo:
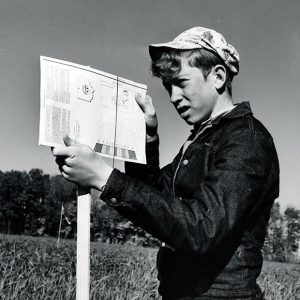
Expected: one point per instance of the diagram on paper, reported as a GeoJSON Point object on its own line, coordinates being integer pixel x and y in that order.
{"type": "Point", "coordinates": [85, 90]}
{"type": "Point", "coordinates": [94, 107]}
{"type": "Point", "coordinates": [113, 97]}
{"type": "Point", "coordinates": [119, 96]}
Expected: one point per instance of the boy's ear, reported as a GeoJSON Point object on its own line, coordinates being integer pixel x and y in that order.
{"type": "Point", "coordinates": [220, 74]}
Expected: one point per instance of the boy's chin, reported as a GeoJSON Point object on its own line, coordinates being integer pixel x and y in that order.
{"type": "Point", "coordinates": [192, 122]}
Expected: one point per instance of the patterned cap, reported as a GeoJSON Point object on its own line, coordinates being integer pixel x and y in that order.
{"type": "Point", "coordinates": [200, 37]}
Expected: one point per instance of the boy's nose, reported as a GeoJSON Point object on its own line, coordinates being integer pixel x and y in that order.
{"type": "Point", "coordinates": [175, 94]}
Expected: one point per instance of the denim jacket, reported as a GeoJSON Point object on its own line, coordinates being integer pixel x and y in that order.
{"type": "Point", "coordinates": [210, 207]}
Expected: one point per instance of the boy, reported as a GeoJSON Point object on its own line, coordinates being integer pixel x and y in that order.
{"type": "Point", "coordinates": [210, 206]}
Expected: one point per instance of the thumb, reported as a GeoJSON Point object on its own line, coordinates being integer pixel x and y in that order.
{"type": "Point", "coordinates": [69, 141]}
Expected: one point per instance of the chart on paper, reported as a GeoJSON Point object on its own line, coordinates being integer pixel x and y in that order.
{"type": "Point", "coordinates": [93, 107]}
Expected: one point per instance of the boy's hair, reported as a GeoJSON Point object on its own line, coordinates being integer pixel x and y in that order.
{"type": "Point", "coordinates": [168, 64]}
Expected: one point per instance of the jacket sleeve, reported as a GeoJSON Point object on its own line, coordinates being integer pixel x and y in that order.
{"type": "Point", "coordinates": [150, 173]}
{"type": "Point", "coordinates": [239, 178]}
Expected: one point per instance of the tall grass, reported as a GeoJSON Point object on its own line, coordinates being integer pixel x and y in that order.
{"type": "Point", "coordinates": [280, 281]}
{"type": "Point", "coordinates": [34, 268]}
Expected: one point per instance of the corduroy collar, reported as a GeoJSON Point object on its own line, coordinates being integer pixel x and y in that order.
{"type": "Point", "coordinates": [239, 110]}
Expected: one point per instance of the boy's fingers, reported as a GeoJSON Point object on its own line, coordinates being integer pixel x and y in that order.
{"type": "Point", "coordinates": [68, 161]}
{"type": "Point", "coordinates": [148, 99]}
{"type": "Point", "coordinates": [66, 176]}
{"type": "Point", "coordinates": [66, 169]}
{"type": "Point", "coordinates": [140, 101]}
{"type": "Point", "coordinates": [145, 104]}
{"type": "Point", "coordinates": [62, 151]}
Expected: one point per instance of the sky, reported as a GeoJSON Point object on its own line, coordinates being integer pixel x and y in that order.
{"type": "Point", "coordinates": [113, 36]}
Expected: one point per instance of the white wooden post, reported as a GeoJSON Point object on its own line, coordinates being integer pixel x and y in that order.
{"type": "Point", "coordinates": [83, 245]}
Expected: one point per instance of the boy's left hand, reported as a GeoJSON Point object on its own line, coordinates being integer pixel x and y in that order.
{"type": "Point", "coordinates": [80, 164]}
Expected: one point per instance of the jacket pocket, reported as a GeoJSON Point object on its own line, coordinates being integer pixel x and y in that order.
{"type": "Point", "coordinates": [194, 167]}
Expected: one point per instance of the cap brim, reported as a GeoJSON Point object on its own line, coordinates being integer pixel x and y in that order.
{"type": "Point", "coordinates": [156, 49]}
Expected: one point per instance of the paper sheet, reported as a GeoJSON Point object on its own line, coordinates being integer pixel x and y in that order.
{"type": "Point", "coordinates": [96, 108]}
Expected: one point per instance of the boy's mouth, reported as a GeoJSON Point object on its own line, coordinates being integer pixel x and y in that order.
{"type": "Point", "coordinates": [182, 110]}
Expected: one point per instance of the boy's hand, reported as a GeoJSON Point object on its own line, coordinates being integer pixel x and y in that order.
{"type": "Point", "coordinates": [80, 164]}
{"type": "Point", "coordinates": [150, 115]}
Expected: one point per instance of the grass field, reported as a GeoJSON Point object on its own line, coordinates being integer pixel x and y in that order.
{"type": "Point", "coordinates": [34, 268]}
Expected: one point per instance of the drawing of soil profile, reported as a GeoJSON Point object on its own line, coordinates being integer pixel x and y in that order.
{"type": "Point", "coordinates": [110, 99]}
{"type": "Point", "coordinates": [85, 90]}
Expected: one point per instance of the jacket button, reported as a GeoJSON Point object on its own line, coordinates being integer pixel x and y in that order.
{"type": "Point", "coordinates": [185, 162]}
{"type": "Point", "coordinates": [113, 201]}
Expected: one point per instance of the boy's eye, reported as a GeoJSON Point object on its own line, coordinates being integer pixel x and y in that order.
{"type": "Point", "coordinates": [181, 83]}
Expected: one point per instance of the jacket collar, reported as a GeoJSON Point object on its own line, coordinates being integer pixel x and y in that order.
{"type": "Point", "coordinates": [240, 109]}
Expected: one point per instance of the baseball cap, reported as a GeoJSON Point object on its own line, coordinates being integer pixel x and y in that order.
{"type": "Point", "coordinates": [201, 37]}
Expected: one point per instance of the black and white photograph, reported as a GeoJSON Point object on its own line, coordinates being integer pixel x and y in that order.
{"type": "Point", "coordinates": [150, 150]}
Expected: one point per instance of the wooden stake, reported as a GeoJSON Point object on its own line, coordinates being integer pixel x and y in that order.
{"type": "Point", "coordinates": [83, 245]}
{"type": "Point", "coordinates": [59, 228]}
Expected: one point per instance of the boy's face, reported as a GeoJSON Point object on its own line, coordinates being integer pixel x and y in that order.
{"type": "Point", "coordinates": [193, 96]}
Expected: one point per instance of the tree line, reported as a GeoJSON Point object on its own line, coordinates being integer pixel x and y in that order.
{"type": "Point", "coordinates": [34, 203]}
{"type": "Point", "coordinates": [283, 235]}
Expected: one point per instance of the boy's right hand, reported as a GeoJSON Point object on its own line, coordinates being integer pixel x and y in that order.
{"type": "Point", "coordinates": [147, 107]}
